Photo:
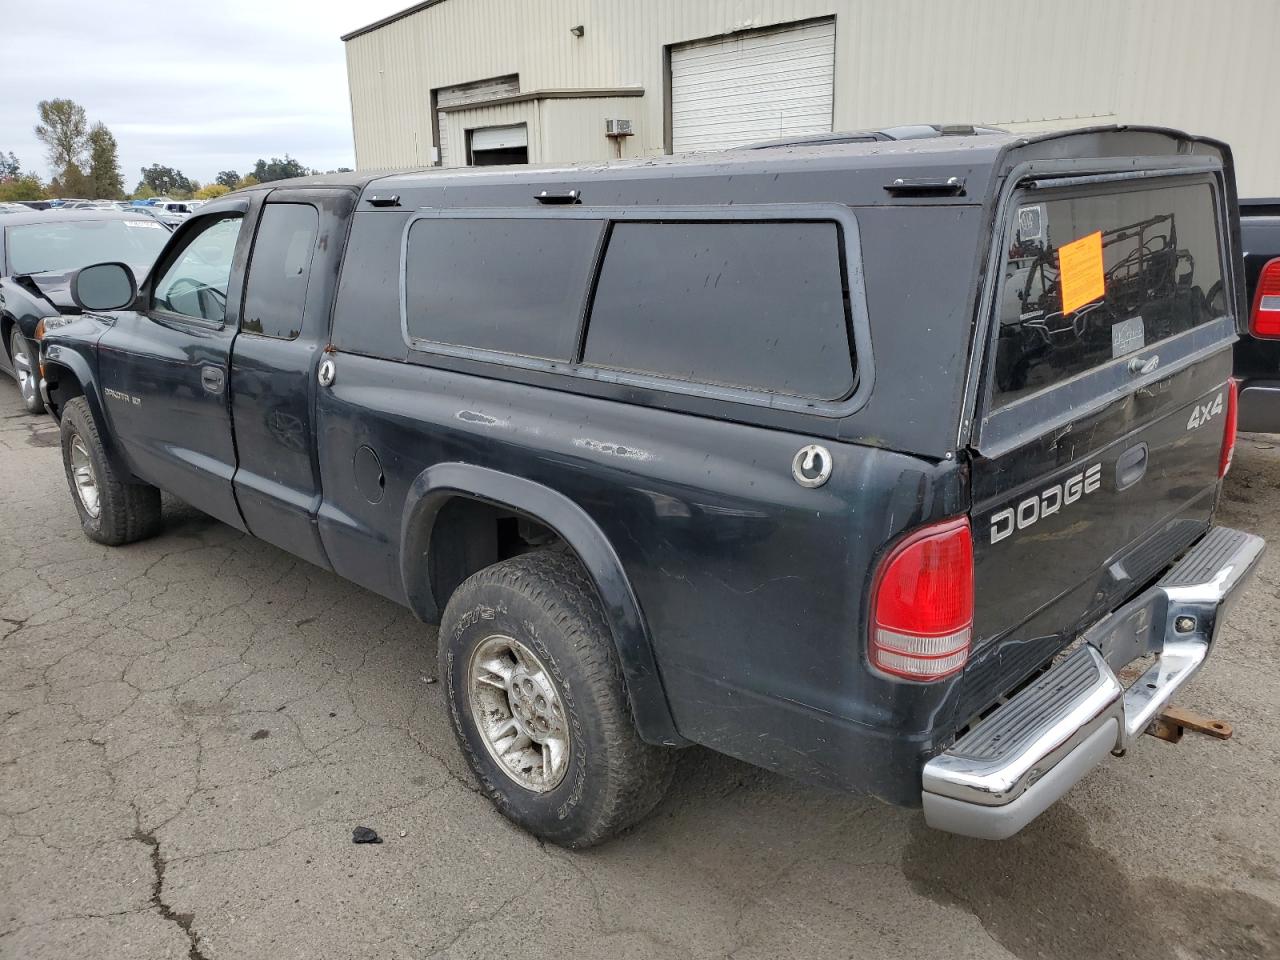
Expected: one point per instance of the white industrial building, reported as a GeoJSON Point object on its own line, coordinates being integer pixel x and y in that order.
{"type": "Point", "coordinates": [459, 82]}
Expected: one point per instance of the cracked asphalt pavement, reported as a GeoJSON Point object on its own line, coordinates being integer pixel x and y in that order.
{"type": "Point", "coordinates": [190, 728]}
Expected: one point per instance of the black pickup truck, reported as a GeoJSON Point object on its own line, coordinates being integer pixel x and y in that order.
{"type": "Point", "coordinates": [1258, 352]}
{"type": "Point", "coordinates": [872, 463]}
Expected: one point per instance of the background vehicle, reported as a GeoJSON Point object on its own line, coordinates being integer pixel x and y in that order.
{"type": "Point", "coordinates": [686, 451]}
{"type": "Point", "coordinates": [158, 214]}
{"type": "Point", "coordinates": [177, 209]}
{"type": "Point", "coordinates": [38, 251]}
{"type": "Point", "coordinates": [1257, 364]}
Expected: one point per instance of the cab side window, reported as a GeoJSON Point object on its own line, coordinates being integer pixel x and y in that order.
{"type": "Point", "coordinates": [279, 270]}
{"type": "Point", "coordinates": [195, 284]}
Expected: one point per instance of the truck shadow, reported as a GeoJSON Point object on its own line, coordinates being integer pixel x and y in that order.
{"type": "Point", "coordinates": [1051, 893]}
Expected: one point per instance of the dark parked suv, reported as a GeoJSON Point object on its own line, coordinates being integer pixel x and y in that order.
{"type": "Point", "coordinates": [788, 452]}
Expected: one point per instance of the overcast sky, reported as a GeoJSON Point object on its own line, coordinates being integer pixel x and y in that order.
{"type": "Point", "coordinates": [202, 87]}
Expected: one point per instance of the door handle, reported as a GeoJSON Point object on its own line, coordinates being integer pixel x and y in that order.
{"type": "Point", "coordinates": [212, 379]}
{"type": "Point", "coordinates": [1131, 466]}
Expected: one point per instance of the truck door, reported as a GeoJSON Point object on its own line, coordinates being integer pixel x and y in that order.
{"type": "Point", "coordinates": [163, 370]}
{"type": "Point", "coordinates": [284, 327]}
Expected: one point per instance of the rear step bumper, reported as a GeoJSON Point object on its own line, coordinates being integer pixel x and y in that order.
{"type": "Point", "coordinates": [1008, 769]}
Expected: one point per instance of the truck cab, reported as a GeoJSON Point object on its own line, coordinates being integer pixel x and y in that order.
{"type": "Point", "coordinates": [874, 463]}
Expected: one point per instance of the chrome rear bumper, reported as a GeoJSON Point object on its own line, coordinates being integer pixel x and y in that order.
{"type": "Point", "coordinates": [1008, 769]}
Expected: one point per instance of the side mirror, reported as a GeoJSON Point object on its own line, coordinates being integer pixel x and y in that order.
{"type": "Point", "coordinates": [104, 286]}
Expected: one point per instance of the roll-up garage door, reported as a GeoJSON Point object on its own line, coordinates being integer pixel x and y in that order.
{"type": "Point", "coordinates": [499, 138]}
{"type": "Point", "coordinates": [753, 86]}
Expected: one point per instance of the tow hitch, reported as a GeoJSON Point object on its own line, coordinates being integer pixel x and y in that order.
{"type": "Point", "coordinates": [1172, 722]}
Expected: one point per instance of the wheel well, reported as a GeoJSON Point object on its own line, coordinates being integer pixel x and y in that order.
{"type": "Point", "coordinates": [469, 535]}
{"type": "Point", "coordinates": [63, 387]}
{"type": "Point", "coordinates": [7, 324]}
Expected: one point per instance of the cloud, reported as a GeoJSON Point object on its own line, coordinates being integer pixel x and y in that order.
{"type": "Point", "coordinates": [201, 87]}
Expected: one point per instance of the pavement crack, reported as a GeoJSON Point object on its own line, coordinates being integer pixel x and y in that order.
{"type": "Point", "coordinates": [183, 920]}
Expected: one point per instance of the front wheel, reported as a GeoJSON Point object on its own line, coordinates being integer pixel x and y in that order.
{"type": "Point", "coordinates": [112, 511]}
{"type": "Point", "coordinates": [25, 371]}
{"type": "Point", "coordinates": [539, 705]}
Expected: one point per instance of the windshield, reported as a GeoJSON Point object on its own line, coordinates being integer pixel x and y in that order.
{"type": "Point", "coordinates": [70, 245]}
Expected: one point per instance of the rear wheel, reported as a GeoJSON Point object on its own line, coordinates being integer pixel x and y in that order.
{"type": "Point", "coordinates": [111, 510]}
{"type": "Point", "coordinates": [25, 371]}
{"type": "Point", "coordinates": [539, 705]}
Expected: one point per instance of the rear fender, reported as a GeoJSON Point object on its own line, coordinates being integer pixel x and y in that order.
{"type": "Point", "coordinates": [438, 484]}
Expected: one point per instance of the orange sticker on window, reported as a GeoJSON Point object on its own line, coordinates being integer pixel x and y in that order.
{"type": "Point", "coordinates": [1080, 271]}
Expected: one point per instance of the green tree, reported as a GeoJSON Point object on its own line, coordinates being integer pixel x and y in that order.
{"type": "Point", "coordinates": [64, 130]}
{"type": "Point", "coordinates": [143, 192]}
{"type": "Point", "coordinates": [211, 191]}
{"type": "Point", "coordinates": [164, 181]}
{"type": "Point", "coordinates": [72, 182]}
{"type": "Point", "coordinates": [10, 167]}
{"type": "Point", "coordinates": [228, 178]}
{"type": "Point", "coordinates": [249, 180]}
{"type": "Point", "coordinates": [104, 164]}
{"type": "Point", "coordinates": [276, 169]}
{"type": "Point", "coordinates": [22, 187]}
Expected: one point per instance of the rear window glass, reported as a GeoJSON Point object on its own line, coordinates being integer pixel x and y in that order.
{"type": "Point", "coordinates": [1088, 279]}
{"type": "Point", "coordinates": [760, 305]}
{"type": "Point", "coordinates": [280, 269]}
{"type": "Point", "coordinates": [510, 285]}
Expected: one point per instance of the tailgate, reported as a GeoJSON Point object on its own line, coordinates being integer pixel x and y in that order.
{"type": "Point", "coordinates": [1097, 463]}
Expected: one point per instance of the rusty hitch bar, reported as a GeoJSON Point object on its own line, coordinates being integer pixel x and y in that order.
{"type": "Point", "coordinates": [1172, 722]}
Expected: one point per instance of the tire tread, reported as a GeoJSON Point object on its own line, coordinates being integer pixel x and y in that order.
{"type": "Point", "coordinates": [128, 511]}
{"type": "Point", "coordinates": [637, 773]}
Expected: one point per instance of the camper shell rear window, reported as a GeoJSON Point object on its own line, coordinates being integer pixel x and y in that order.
{"type": "Point", "coordinates": [1095, 275]}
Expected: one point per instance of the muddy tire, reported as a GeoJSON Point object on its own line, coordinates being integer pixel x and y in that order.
{"type": "Point", "coordinates": [538, 703]}
{"type": "Point", "coordinates": [111, 510]}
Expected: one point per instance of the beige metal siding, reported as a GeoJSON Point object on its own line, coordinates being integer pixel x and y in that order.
{"type": "Point", "coordinates": [467, 93]}
{"type": "Point", "coordinates": [1027, 64]}
{"type": "Point", "coordinates": [457, 123]}
{"type": "Point", "coordinates": [579, 129]}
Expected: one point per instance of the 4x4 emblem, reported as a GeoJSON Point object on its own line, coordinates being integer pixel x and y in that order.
{"type": "Point", "coordinates": [812, 466]}
{"type": "Point", "coordinates": [1203, 413]}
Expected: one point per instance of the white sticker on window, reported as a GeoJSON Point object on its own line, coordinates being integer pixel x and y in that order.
{"type": "Point", "coordinates": [143, 223]}
{"type": "Point", "coordinates": [1031, 223]}
{"type": "Point", "coordinates": [1127, 336]}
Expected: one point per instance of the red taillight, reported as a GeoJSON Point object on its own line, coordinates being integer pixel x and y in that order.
{"type": "Point", "coordinates": [1264, 321]}
{"type": "Point", "coordinates": [1229, 428]}
{"type": "Point", "coordinates": [922, 603]}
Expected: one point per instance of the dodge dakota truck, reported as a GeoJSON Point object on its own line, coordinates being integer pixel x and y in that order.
{"type": "Point", "coordinates": [879, 464]}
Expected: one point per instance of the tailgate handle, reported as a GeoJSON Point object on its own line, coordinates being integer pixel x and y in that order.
{"type": "Point", "coordinates": [1131, 466]}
